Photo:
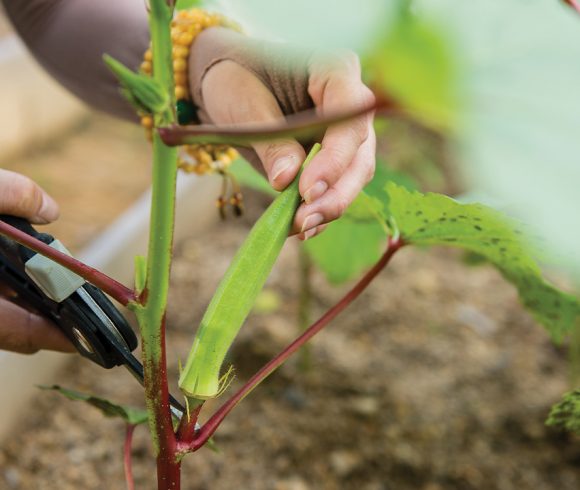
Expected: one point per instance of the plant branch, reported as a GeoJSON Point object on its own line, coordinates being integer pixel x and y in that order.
{"type": "Point", "coordinates": [304, 125]}
{"type": "Point", "coordinates": [115, 289]}
{"type": "Point", "coordinates": [127, 457]}
{"type": "Point", "coordinates": [218, 417]}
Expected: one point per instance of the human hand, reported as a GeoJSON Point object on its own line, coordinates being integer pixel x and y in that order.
{"type": "Point", "coordinates": [232, 94]}
{"type": "Point", "coordinates": [20, 330]}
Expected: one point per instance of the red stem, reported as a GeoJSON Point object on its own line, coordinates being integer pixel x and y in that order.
{"type": "Point", "coordinates": [127, 457]}
{"type": "Point", "coordinates": [306, 123]}
{"type": "Point", "coordinates": [115, 289]}
{"type": "Point", "coordinates": [217, 418]}
{"type": "Point", "coordinates": [157, 394]}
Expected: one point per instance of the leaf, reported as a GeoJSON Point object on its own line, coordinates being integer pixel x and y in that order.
{"type": "Point", "coordinates": [248, 176]}
{"type": "Point", "coordinates": [520, 122]}
{"type": "Point", "coordinates": [415, 64]}
{"type": "Point", "coordinates": [434, 219]}
{"type": "Point", "coordinates": [323, 23]}
{"type": "Point", "coordinates": [355, 242]}
{"type": "Point", "coordinates": [133, 416]}
{"type": "Point", "coordinates": [141, 91]}
{"type": "Point", "coordinates": [566, 413]}
{"type": "Point", "coordinates": [346, 248]}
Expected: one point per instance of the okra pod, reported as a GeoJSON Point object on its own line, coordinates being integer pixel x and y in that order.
{"type": "Point", "coordinates": [237, 292]}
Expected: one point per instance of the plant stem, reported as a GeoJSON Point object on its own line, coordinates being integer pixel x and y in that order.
{"type": "Point", "coordinates": [127, 457]}
{"type": "Point", "coordinates": [218, 417]}
{"type": "Point", "coordinates": [115, 289]}
{"type": "Point", "coordinates": [304, 303]}
{"type": "Point", "coordinates": [151, 315]}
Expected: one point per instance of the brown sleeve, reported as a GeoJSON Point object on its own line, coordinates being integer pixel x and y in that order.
{"type": "Point", "coordinates": [282, 70]}
{"type": "Point", "coordinates": [69, 38]}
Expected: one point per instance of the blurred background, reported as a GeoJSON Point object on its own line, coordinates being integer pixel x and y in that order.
{"type": "Point", "coordinates": [435, 379]}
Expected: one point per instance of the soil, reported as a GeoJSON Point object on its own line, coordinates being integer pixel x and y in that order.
{"type": "Point", "coordinates": [435, 379]}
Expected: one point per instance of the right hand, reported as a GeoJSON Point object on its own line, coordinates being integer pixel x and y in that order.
{"type": "Point", "coordinates": [20, 330]}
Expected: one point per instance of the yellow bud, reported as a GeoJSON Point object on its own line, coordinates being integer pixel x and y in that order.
{"type": "Point", "coordinates": [185, 39]}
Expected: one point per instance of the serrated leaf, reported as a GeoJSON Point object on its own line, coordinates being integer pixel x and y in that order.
{"type": "Point", "coordinates": [566, 413]}
{"type": "Point", "coordinates": [434, 219]}
{"type": "Point", "coordinates": [520, 125]}
{"type": "Point", "coordinates": [133, 416]}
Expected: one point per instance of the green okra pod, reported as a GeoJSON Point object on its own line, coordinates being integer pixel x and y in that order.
{"type": "Point", "coordinates": [237, 293]}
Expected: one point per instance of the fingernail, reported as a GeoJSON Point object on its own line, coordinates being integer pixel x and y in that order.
{"type": "Point", "coordinates": [312, 221]}
{"type": "Point", "coordinates": [281, 165]}
{"type": "Point", "coordinates": [48, 210]}
{"type": "Point", "coordinates": [315, 192]}
{"type": "Point", "coordinates": [310, 233]}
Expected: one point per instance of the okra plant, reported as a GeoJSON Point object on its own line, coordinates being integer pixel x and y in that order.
{"type": "Point", "coordinates": [439, 64]}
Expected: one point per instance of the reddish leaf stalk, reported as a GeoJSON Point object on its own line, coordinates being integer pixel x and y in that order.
{"type": "Point", "coordinates": [218, 417]}
{"type": "Point", "coordinates": [115, 289]}
{"type": "Point", "coordinates": [127, 457]}
{"type": "Point", "coordinates": [186, 430]}
{"type": "Point", "coordinates": [302, 125]}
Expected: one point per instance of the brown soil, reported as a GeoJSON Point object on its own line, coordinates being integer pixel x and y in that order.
{"type": "Point", "coordinates": [435, 379]}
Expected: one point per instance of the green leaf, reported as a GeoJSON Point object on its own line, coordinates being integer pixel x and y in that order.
{"type": "Point", "coordinates": [323, 23]}
{"type": "Point", "coordinates": [144, 93]}
{"type": "Point", "coordinates": [346, 248]}
{"type": "Point", "coordinates": [248, 176]}
{"type": "Point", "coordinates": [434, 219]}
{"type": "Point", "coordinates": [355, 242]}
{"type": "Point", "coordinates": [519, 134]}
{"type": "Point", "coordinates": [416, 64]}
{"type": "Point", "coordinates": [133, 416]}
{"type": "Point", "coordinates": [566, 413]}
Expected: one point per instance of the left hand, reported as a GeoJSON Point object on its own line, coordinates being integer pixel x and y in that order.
{"type": "Point", "coordinates": [233, 94]}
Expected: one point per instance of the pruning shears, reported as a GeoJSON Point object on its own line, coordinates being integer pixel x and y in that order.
{"type": "Point", "coordinates": [82, 311]}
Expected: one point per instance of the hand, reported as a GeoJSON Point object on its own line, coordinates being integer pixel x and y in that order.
{"type": "Point", "coordinates": [232, 94]}
{"type": "Point", "coordinates": [21, 331]}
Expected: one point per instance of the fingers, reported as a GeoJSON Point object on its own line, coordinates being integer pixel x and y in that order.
{"type": "Point", "coordinates": [251, 102]}
{"type": "Point", "coordinates": [20, 196]}
{"type": "Point", "coordinates": [25, 333]}
{"type": "Point", "coordinates": [337, 87]}
{"type": "Point", "coordinates": [336, 200]}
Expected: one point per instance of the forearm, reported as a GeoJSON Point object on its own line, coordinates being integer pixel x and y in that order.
{"type": "Point", "coordinates": [69, 38]}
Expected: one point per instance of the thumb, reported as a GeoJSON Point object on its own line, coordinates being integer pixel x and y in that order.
{"type": "Point", "coordinates": [20, 196]}
{"type": "Point", "coordinates": [281, 159]}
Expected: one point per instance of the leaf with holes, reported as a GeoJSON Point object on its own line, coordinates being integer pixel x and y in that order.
{"type": "Point", "coordinates": [133, 416]}
{"type": "Point", "coordinates": [434, 219]}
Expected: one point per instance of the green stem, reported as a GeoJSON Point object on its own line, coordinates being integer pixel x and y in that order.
{"type": "Point", "coordinates": [151, 312]}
